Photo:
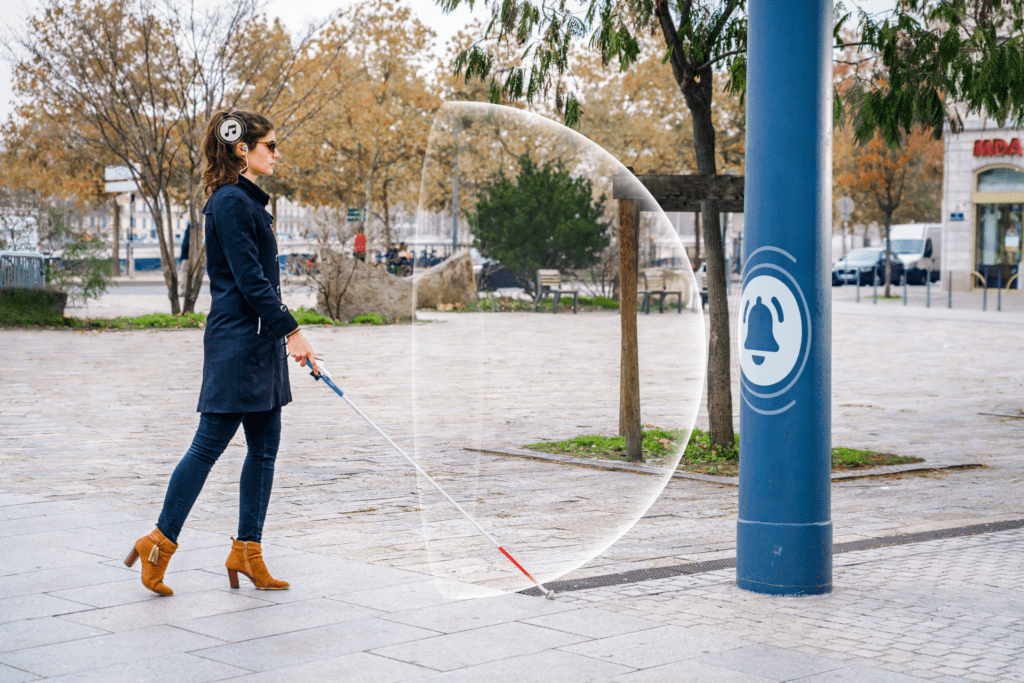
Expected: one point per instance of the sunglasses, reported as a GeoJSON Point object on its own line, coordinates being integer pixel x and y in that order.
{"type": "Point", "coordinates": [272, 145]}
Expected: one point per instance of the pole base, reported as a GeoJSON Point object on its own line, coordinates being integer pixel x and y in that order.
{"type": "Point", "coordinates": [784, 559]}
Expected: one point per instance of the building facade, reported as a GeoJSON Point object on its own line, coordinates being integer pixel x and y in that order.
{"type": "Point", "coordinates": [982, 204]}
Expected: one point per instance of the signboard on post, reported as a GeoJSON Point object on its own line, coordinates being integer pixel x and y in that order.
{"type": "Point", "coordinates": [846, 207]}
{"type": "Point", "coordinates": [355, 215]}
{"type": "Point", "coordinates": [784, 530]}
{"type": "Point", "coordinates": [121, 179]}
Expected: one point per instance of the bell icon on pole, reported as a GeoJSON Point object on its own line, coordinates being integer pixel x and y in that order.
{"type": "Point", "coordinates": [760, 336]}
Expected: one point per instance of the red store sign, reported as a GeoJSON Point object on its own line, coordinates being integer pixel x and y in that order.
{"type": "Point", "coordinates": [992, 148]}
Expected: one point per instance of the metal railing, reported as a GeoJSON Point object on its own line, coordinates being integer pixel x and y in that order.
{"type": "Point", "coordinates": [22, 269]}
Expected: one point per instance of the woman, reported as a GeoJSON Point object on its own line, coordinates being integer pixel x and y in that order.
{"type": "Point", "coordinates": [249, 335]}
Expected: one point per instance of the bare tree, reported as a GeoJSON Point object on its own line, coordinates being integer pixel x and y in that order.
{"type": "Point", "coordinates": [142, 79]}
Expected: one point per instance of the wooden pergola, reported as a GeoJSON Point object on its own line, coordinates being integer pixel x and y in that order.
{"type": "Point", "coordinates": [678, 193]}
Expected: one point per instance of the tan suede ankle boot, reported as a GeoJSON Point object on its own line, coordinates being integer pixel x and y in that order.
{"type": "Point", "coordinates": [156, 552]}
{"type": "Point", "coordinates": [247, 558]}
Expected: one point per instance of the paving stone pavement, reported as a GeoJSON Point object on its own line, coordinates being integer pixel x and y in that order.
{"type": "Point", "coordinates": [92, 424]}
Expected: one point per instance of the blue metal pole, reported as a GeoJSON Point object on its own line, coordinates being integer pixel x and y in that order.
{"type": "Point", "coordinates": [784, 532]}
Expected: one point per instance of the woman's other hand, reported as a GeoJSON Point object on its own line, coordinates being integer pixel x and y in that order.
{"type": "Point", "coordinates": [301, 350]}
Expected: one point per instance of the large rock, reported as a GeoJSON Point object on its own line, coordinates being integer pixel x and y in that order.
{"type": "Point", "coordinates": [449, 282]}
{"type": "Point", "coordinates": [350, 288]}
{"type": "Point", "coordinates": [675, 281]}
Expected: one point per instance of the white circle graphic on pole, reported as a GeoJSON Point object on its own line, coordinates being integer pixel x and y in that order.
{"type": "Point", "coordinates": [770, 331]}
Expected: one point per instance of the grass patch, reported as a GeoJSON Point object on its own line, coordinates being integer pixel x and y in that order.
{"type": "Point", "coordinates": [369, 319]}
{"type": "Point", "coordinates": [153, 321]}
{"type": "Point", "coordinates": [699, 455]}
{"type": "Point", "coordinates": [508, 304]}
{"type": "Point", "coordinates": [157, 321]}
{"type": "Point", "coordinates": [844, 458]}
{"type": "Point", "coordinates": [305, 316]}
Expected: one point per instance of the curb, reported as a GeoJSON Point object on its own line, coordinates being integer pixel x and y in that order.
{"type": "Point", "coordinates": [613, 466]}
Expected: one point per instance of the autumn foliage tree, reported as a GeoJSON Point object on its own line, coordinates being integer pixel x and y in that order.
{"type": "Point", "coordinates": [134, 82]}
{"type": "Point", "coordinates": [887, 181]}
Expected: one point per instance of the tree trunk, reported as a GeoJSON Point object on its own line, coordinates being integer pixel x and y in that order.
{"type": "Point", "coordinates": [387, 215]}
{"type": "Point", "coordinates": [115, 262]}
{"type": "Point", "coordinates": [698, 98]}
{"type": "Point", "coordinates": [159, 203]}
{"type": "Point", "coordinates": [629, 385]}
{"type": "Point", "coordinates": [196, 254]}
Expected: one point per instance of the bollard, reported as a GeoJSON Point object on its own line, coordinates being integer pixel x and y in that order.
{"type": "Point", "coordinates": [949, 288]}
{"type": "Point", "coordinates": [984, 296]}
{"type": "Point", "coordinates": [999, 293]}
{"type": "Point", "coordinates": [928, 289]}
{"type": "Point", "coordinates": [874, 285]}
{"type": "Point", "coordinates": [904, 289]}
{"type": "Point", "coordinates": [858, 285]}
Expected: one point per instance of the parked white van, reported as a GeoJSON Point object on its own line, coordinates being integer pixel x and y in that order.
{"type": "Point", "coordinates": [919, 246]}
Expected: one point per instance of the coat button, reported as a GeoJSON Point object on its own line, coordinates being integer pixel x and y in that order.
{"type": "Point", "coordinates": [283, 307]}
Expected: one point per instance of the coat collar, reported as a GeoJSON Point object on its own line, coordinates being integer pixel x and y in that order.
{"type": "Point", "coordinates": [253, 190]}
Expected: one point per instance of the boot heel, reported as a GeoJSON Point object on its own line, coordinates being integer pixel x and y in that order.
{"type": "Point", "coordinates": [233, 578]}
{"type": "Point", "coordinates": [132, 556]}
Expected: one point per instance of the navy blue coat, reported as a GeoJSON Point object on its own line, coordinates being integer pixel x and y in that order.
{"type": "Point", "coordinates": [245, 356]}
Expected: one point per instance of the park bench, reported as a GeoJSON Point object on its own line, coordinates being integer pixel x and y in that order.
{"type": "Point", "coordinates": [550, 282]}
{"type": "Point", "coordinates": [655, 285]}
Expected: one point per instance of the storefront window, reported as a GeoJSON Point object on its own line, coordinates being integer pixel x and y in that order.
{"type": "Point", "coordinates": [998, 247]}
{"type": "Point", "coordinates": [1001, 180]}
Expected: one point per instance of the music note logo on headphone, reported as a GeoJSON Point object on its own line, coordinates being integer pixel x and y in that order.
{"type": "Point", "coordinates": [230, 130]}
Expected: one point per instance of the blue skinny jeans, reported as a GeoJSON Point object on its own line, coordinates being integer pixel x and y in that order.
{"type": "Point", "coordinates": [262, 437]}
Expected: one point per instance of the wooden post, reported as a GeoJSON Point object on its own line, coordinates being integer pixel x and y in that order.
{"type": "Point", "coordinates": [629, 386]}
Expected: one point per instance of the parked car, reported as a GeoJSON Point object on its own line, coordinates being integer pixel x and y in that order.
{"type": "Point", "coordinates": [866, 266]}
{"type": "Point", "coordinates": [493, 275]}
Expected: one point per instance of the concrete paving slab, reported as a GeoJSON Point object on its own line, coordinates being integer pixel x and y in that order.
{"type": "Point", "coordinates": [593, 622]}
{"type": "Point", "coordinates": [690, 671]}
{"type": "Point", "coordinates": [465, 615]}
{"type": "Point", "coordinates": [7, 499]}
{"type": "Point", "coordinates": [102, 651]}
{"type": "Point", "coordinates": [653, 647]}
{"type": "Point", "coordinates": [776, 662]}
{"type": "Point", "coordinates": [179, 667]}
{"type": "Point", "coordinates": [325, 642]}
{"type": "Point", "coordinates": [35, 632]}
{"type": "Point", "coordinates": [162, 610]}
{"type": "Point", "coordinates": [131, 590]}
{"type": "Point", "coordinates": [858, 673]}
{"type": "Point", "coordinates": [478, 646]}
{"type": "Point", "coordinates": [71, 520]}
{"type": "Point", "coordinates": [20, 561]}
{"type": "Point", "coordinates": [399, 598]}
{"type": "Point", "coordinates": [358, 667]}
{"type": "Point", "coordinates": [272, 620]}
{"type": "Point", "coordinates": [11, 675]}
{"type": "Point", "coordinates": [43, 580]}
{"type": "Point", "coordinates": [552, 665]}
{"type": "Point", "coordinates": [35, 606]}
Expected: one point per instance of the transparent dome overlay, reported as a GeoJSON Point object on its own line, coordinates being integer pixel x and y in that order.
{"type": "Point", "coordinates": [488, 382]}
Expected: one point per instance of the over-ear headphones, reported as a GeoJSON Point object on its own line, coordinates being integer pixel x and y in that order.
{"type": "Point", "coordinates": [230, 129]}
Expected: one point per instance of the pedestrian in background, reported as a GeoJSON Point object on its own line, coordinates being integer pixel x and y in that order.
{"type": "Point", "coordinates": [249, 335]}
{"type": "Point", "coordinates": [359, 251]}
{"type": "Point", "coordinates": [183, 265]}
